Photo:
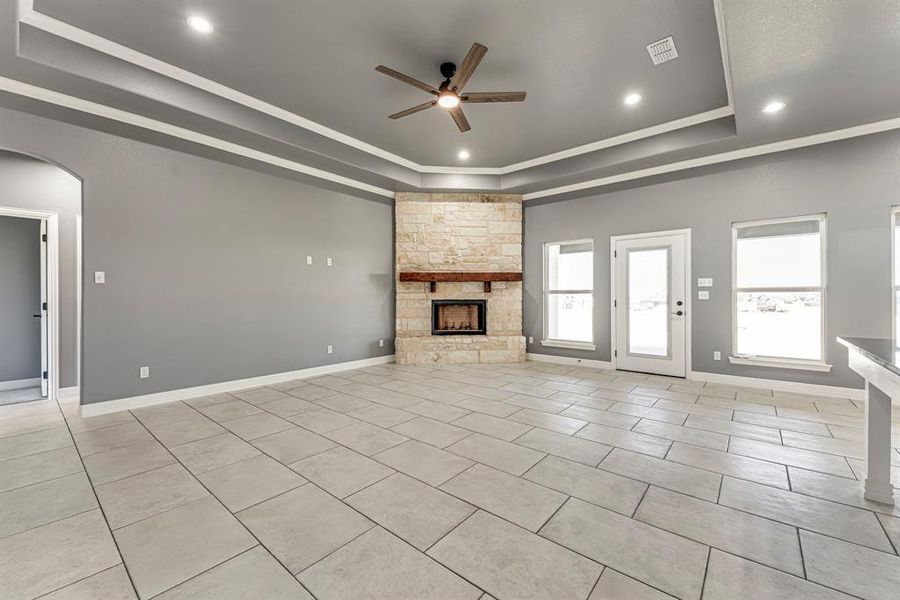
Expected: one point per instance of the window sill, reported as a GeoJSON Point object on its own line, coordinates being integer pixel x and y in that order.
{"type": "Point", "coordinates": [570, 345]}
{"type": "Point", "coordinates": [781, 364]}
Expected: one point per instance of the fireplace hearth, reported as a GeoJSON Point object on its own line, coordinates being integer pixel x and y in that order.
{"type": "Point", "coordinates": [459, 317]}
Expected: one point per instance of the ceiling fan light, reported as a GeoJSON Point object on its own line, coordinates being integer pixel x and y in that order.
{"type": "Point", "coordinates": [448, 100]}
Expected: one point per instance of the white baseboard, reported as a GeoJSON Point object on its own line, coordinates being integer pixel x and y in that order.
{"type": "Point", "coordinates": [565, 360]}
{"type": "Point", "coordinates": [18, 384]}
{"type": "Point", "coordinates": [783, 386]}
{"type": "Point", "coordinates": [102, 408]}
{"type": "Point", "coordinates": [69, 395]}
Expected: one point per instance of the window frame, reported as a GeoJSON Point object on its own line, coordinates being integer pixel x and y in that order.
{"type": "Point", "coordinates": [546, 292]}
{"type": "Point", "coordinates": [781, 361]}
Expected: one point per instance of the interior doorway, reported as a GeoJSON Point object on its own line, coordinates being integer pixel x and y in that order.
{"type": "Point", "coordinates": [651, 302]}
{"type": "Point", "coordinates": [28, 305]}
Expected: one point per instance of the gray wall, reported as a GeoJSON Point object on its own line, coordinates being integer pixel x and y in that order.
{"type": "Point", "coordinates": [20, 298]}
{"type": "Point", "coordinates": [29, 183]}
{"type": "Point", "coordinates": [854, 181]}
{"type": "Point", "coordinates": [206, 276]}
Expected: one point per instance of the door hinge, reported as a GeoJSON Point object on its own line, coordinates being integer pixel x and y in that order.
{"type": "Point", "coordinates": [615, 303]}
{"type": "Point", "coordinates": [615, 254]}
{"type": "Point", "coordinates": [43, 237]}
{"type": "Point", "coordinates": [44, 375]}
{"type": "Point", "coordinates": [44, 306]}
{"type": "Point", "coordinates": [615, 352]}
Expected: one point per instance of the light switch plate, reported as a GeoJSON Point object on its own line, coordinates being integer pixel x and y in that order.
{"type": "Point", "coordinates": [99, 276]}
{"type": "Point", "coordinates": [704, 282]}
{"type": "Point", "coordinates": [703, 295]}
{"type": "Point", "coordinates": [309, 260]}
{"type": "Point", "coordinates": [330, 349]}
{"type": "Point", "coordinates": [328, 261]}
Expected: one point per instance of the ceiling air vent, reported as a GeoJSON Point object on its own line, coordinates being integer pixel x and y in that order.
{"type": "Point", "coordinates": [662, 51]}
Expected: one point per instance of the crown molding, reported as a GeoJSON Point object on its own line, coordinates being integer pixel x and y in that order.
{"type": "Point", "coordinates": [712, 159]}
{"type": "Point", "coordinates": [29, 16]}
{"type": "Point", "coordinates": [86, 106]}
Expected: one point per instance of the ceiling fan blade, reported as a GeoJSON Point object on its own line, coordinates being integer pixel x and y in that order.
{"type": "Point", "coordinates": [413, 110]}
{"type": "Point", "coordinates": [468, 66]}
{"type": "Point", "coordinates": [493, 97]}
{"type": "Point", "coordinates": [460, 119]}
{"type": "Point", "coordinates": [407, 79]}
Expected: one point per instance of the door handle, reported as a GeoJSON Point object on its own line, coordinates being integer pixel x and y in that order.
{"type": "Point", "coordinates": [36, 316]}
{"type": "Point", "coordinates": [678, 312]}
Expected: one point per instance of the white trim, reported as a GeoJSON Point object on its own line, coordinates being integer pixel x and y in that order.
{"type": "Point", "coordinates": [712, 159]}
{"type": "Point", "coordinates": [52, 220]}
{"type": "Point", "coordinates": [895, 285]}
{"type": "Point", "coordinates": [783, 386]}
{"type": "Point", "coordinates": [86, 106]}
{"type": "Point", "coordinates": [631, 136]}
{"type": "Point", "coordinates": [19, 384]}
{"type": "Point", "coordinates": [570, 345]}
{"type": "Point", "coordinates": [102, 408]}
{"type": "Point", "coordinates": [723, 50]}
{"type": "Point", "coordinates": [29, 16]}
{"type": "Point", "coordinates": [78, 292]}
{"type": "Point", "coordinates": [44, 95]}
{"type": "Point", "coordinates": [688, 290]}
{"type": "Point", "coordinates": [565, 360]}
{"type": "Point", "coordinates": [781, 364]}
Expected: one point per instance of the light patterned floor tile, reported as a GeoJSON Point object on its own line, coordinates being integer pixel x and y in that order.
{"type": "Point", "coordinates": [664, 473]}
{"type": "Point", "coordinates": [509, 562]}
{"type": "Point", "coordinates": [666, 561]}
{"type": "Point", "coordinates": [850, 568]}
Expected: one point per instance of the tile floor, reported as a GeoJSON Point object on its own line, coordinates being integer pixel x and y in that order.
{"type": "Point", "coordinates": [472, 482]}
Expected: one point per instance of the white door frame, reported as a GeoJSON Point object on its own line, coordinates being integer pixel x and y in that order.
{"type": "Point", "coordinates": [52, 220]}
{"type": "Point", "coordinates": [688, 290]}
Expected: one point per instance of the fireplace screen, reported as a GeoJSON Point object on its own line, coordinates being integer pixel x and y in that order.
{"type": "Point", "coordinates": [458, 317]}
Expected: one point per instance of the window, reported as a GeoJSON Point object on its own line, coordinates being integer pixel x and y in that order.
{"type": "Point", "coordinates": [569, 294]}
{"type": "Point", "coordinates": [779, 292]}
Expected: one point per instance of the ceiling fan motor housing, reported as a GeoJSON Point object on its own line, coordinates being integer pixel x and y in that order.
{"type": "Point", "coordinates": [448, 70]}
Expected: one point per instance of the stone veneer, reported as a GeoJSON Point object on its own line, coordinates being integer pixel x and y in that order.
{"type": "Point", "coordinates": [458, 232]}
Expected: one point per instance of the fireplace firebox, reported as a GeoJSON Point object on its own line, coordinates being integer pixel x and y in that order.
{"type": "Point", "coordinates": [459, 317]}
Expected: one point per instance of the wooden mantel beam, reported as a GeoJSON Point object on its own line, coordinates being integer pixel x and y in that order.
{"type": "Point", "coordinates": [431, 278]}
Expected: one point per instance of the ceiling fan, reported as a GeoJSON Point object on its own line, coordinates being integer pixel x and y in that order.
{"type": "Point", "coordinates": [450, 93]}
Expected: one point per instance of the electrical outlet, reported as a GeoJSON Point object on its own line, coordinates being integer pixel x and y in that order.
{"type": "Point", "coordinates": [703, 295]}
{"type": "Point", "coordinates": [381, 343]}
{"type": "Point", "coordinates": [704, 282]}
{"type": "Point", "coordinates": [99, 276]}
{"type": "Point", "coordinates": [530, 340]}
{"type": "Point", "coordinates": [328, 261]}
{"type": "Point", "coordinates": [717, 355]}
{"type": "Point", "coordinates": [145, 372]}
{"type": "Point", "coordinates": [309, 260]}
{"type": "Point", "coordinates": [330, 348]}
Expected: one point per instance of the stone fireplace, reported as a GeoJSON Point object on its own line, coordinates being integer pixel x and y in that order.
{"type": "Point", "coordinates": [459, 289]}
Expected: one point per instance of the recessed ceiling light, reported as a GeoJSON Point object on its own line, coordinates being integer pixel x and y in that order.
{"type": "Point", "coordinates": [631, 99]}
{"type": "Point", "coordinates": [200, 24]}
{"type": "Point", "coordinates": [448, 100]}
{"type": "Point", "coordinates": [463, 155]}
{"type": "Point", "coordinates": [773, 107]}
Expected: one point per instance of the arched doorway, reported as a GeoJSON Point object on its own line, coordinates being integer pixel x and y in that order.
{"type": "Point", "coordinates": [40, 346]}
